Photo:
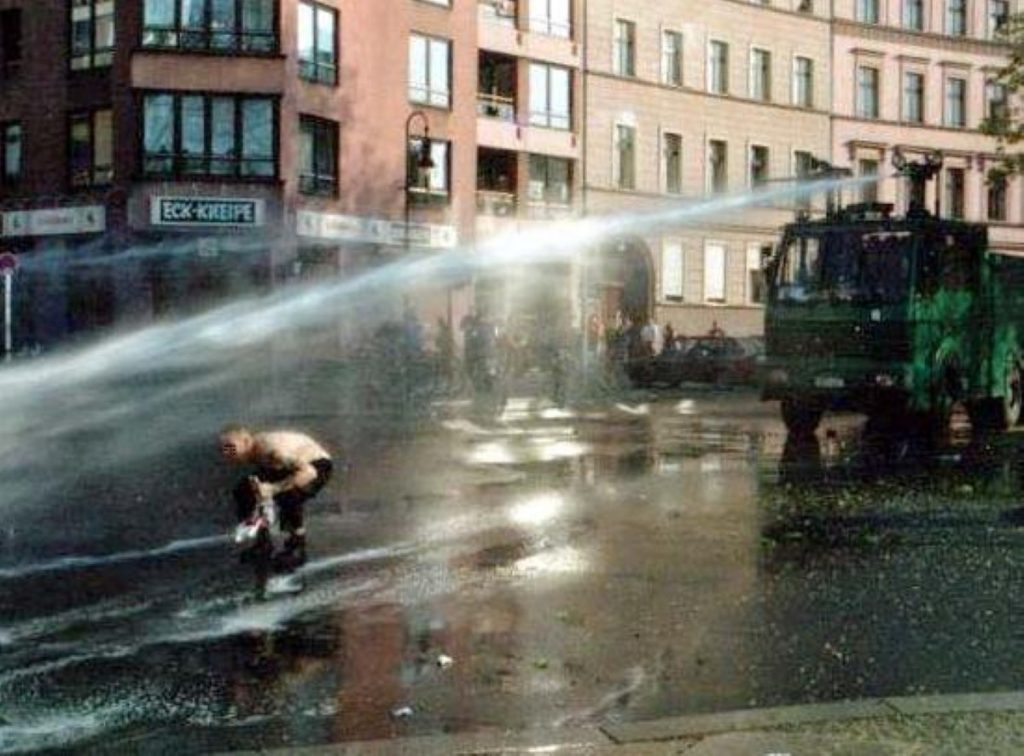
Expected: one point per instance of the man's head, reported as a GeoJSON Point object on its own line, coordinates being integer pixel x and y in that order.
{"type": "Point", "coordinates": [235, 443]}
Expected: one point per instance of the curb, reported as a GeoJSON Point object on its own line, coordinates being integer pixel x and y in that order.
{"type": "Point", "coordinates": [689, 730]}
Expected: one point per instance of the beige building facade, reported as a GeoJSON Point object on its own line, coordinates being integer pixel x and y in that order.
{"type": "Point", "coordinates": [685, 101]}
{"type": "Point", "coordinates": [917, 75]}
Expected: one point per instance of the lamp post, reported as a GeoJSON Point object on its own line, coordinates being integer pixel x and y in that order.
{"type": "Point", "coordinates": [424, 163]}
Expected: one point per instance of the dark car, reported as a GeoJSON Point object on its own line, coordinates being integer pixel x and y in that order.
{"type": "Point", "coordinates": [711, 359]}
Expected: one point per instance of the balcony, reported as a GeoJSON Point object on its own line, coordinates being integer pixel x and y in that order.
{"type": "Point", "coordinates": [496, 204]}
{"type": "Point", "coordinates": [496, 106]}
{"type": "Point", "coordinates": [500, 12]}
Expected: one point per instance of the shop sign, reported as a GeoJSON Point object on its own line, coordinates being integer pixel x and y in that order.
{"type": "Point", "coordinates": [206, 212]}
{"type": "Point", "coordinates": [355, 228]}
{"type": "Point", "coordinates": [56, 221]}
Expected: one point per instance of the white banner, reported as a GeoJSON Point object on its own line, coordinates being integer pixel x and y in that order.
{"type": "Point", "coordinates": [56, 221]}
{"type": "Point", "coordinates": [373, 230]}
{"type": "Point", "coordinates": [206, 211]}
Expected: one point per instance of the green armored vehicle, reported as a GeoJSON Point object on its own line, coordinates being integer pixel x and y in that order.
{"type": "Point", "coordinates": [902, 319]}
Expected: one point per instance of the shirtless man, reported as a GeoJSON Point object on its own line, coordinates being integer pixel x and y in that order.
{"type": "Point", "coordinates": [290, 467]}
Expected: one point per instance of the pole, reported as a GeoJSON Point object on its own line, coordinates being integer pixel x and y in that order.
{"type": "Point", "coordinates": [7, 314]}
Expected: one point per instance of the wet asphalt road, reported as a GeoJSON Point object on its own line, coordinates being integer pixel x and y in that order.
{"type": "Point", "coordinates": [648, 555]}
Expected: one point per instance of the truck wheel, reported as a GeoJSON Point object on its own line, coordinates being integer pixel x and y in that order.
{"type": "Point", "coordinates": [801, 417]}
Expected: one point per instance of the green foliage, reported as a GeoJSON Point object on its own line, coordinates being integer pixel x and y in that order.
{"type": "Point", "coordinates": [1007, 127]}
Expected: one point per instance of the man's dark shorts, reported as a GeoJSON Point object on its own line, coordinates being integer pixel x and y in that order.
{"type": "Point", "coordinates": [289, 503]}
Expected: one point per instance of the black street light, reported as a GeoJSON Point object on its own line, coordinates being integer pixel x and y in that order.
{"type": "Point", "coordinates": [424, 163]}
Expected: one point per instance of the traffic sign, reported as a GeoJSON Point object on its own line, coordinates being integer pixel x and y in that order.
{"type": "Point", "coordinates": [8, 263]}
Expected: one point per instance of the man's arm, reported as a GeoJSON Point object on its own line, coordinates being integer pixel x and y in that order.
{"type": "Point", "coordinates": [302, 475]}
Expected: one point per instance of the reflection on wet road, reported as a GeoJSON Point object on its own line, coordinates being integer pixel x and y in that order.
{"type": "Point", "coordinates": [637, 559]}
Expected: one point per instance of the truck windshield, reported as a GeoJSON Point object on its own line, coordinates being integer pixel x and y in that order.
{"type": "Point", "coordinates": [847, 266]}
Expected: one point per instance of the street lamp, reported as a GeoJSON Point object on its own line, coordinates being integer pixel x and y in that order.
{"type": "Point", "coordinates": [424, 163]}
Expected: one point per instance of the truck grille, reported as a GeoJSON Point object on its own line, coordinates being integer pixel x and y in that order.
{"type": "Point", "coordinates": [876, 341]}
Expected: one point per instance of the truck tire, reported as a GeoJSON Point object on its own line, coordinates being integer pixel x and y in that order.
{"type": "Point", "coordinates": [801, 417]}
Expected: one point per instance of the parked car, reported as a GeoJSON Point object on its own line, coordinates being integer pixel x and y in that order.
{"type": "Point", "coordinates": [711, 359]}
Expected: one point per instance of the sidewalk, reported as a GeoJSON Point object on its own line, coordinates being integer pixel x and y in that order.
{"type": "Point", "coordinates": [984, 723]}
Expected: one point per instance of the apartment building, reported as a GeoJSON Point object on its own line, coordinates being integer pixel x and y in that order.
{"type": "Point", "coordinates": [685, 101]}
{"type": "Point", "coordinates": [231, 144]}
{"type": "Point", "coordinates": [529, 150]}
{"type": "Point", "coordinates": [917, 75]}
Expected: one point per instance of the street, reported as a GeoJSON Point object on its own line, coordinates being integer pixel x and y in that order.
{"type": "Point", "coordinates": [649, 554]}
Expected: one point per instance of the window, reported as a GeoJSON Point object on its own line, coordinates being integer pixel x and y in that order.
{"type": "Point", "coordinates": [209, 135]}
{"type": "Point", "coordinates": [551, 17]}
{"type": "Point", "coordinates": [10, 39]}
{"type": "Point", "coordinates": [867, 11]}
{"type": "Point", "coordinates": [672, 58]}
{"type": "Point", "coordinates": [11, 156]}
{"type": "Point", "coordinates": [430, 73]}
{"type": "Point", "coordinates": [997, 199]}
{"type": "Point", "coordinates": [913, 97]}
{"type": "Point", "coordinates": [673, 156]}
{"type": "Point", "coordinates": [756, 252]}
{"type": "Point", "coordinates": [433, 181]}
{"type": "Point", "coordinates": [998, 15]}
{"type": "Point", "coordinates": [995, 100]}
{"type": "Point", "coordinates": [718, 177]}
{"type": "Point", "coordinates": [913, 15]}
{"type": "Point", "coordinates": [92, 33]}
{"type": "Point", "coordinates": [318, 54]}
{"type": "Point", "coordinates": [672, 270]}
{"type": "Point", "coordinates": [550, 180]}
{"type": "Point", "coordinates": [91, 153]}
{"type": "Point", "coordinates": [625, 154]}
{"type": "Point", "coordinates": [759, 165]}
{"type": "Point", "coordinates": [955, 192]}
{"type": "Point", "coordinates": [718, 67]}
{"type": "Point", "coordinates": [550, 96]}
{"type": "Point", "coordinates": [867, 92]}
{"type": "Point", "coordinates": [956, 17]}
{"type": "Point", "coordinates": [956, 102]}
{"type": "Point", "coordinates": [803, 82]}
{"type": "Point", "coordinates": [318, 156]}
{"type": "Point", "coordinates": [761, 75]}
{"type": "Point", "coordinates": [714, 273]}
{"type": "Point", "coordinates": [869, 191]}
{"type": "Point", "coordinates": [802, 169]}
{"type": "Point", "coordinates": [625, 48]}
{"type": "Point", "coordinates": [247, 26]}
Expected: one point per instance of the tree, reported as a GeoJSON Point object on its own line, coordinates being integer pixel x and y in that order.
{"type": "Point", "coordinates": [1002, 120]}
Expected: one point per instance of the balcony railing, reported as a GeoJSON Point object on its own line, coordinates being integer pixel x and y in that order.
{"type": "Point", "coordinates": [498, 12]}
{"type": "Point", "coordinates": [501, 204]}
{"type": "Point", "coordinates": [496, 106]}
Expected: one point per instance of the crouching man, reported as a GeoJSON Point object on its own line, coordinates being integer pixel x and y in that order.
{"type": "Point", "coordinates": [288, 467]}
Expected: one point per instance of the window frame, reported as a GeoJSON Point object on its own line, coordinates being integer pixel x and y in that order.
{"type": "Point", "coordinates": [962, 15]}
{"type": "Point", "coordinates": [666, 162]}
{"type": "Point", "coordinates": [673, 65]}
{"type": "Point", "coordinates": [905, 100]}
{"type": "Point", "coordinates": [90, 118]}
{"type": "Point", "coordinates": [8, 63]}
{"type": "Point", "coordinates": [860, 14]}
{"type": "Point", "coordinates": [428, 194]}
{"type": "Point", "coordinates": [94, 50]}
{"type": "Point", "coordinates": [546, 200]}
{"type": "Point", "coordinates": [755, 71]}
{"type": "Point", "coordinates": [1003, 185]}
{"type": "Point", "coordinates": [705, 298]}
{"type": "Point", "coordinates": [618, 175]}
{"type": "Point", "coordinates": [947, 112]}
{"type": "Point", "coordinates": [755, 251]}
{"type": "Point", "coordinates": [991, 86]}
{"type": "Point", "coordinates": [679, 276]}
{"type": "Point", "coordinates": [859, 110]}
{"type": "Point", "coordinates": [752, 181]}
{"type": "Point", "coordinates": [544, 24]}
{"type": "Point", "coordinates": [318, 187]}
{"type": "Point", "coordinates": [238, 33]}
{"type": "Point", "coordinates": [957, 199]}
{"type": "Point", "coordinates": [801, 202]}
{"type": "Point", "coordinates": [334, 68]}
{"type": "Point", "coordinates": [429, 90]}
{"type": "Point", "coordinates": [905, 16]}
{"type": "Point", "coordinates": [712, 186]}
{"type": "Point", "coordinates": [547, 117]}
{"type": "Point", "coordinates": [718, 85]}
{"type": "Point", "coordinates": [625, 47]}
{"type": "Point", "coordinates": [5, 179]}
{"type": "Point", "coordinates": [177, 156]}
{"type": "Point", "coordinates": [990, 19]}
{"type": "Point", "coordinates": [797, 102]}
